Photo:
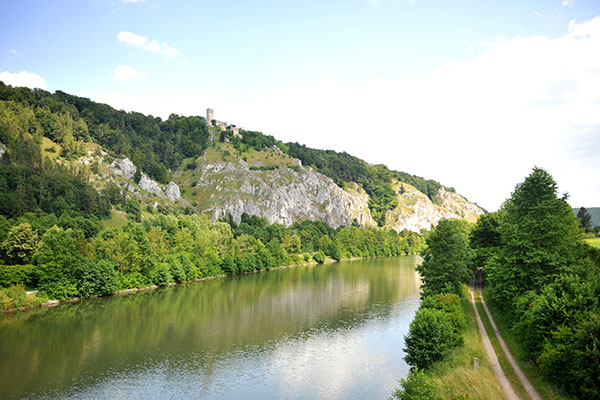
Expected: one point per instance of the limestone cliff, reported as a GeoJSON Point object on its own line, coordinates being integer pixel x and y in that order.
{"type": "Point", "coordinates": [415, 211]}
{"type": "Point", "coordinates": [282, 195]}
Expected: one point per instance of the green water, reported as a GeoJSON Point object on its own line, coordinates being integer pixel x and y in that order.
{"type": "Point", "coordinates": [330, 331]}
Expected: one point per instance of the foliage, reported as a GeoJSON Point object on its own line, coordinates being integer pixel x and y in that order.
{"type": "Point", "coordinates": [446, 259]}
{"type": "Point", "coordinates": [449, 303]}
{"type": "Point", "coordinates": [571, 357]}
{"type": "Point", "coordinates": [485, 240]}
{"type": "Point", "coordinates": [416, 386]}
{"type": "Point", "coordinates": [319, 257]}
{"type": "Point", "coordinates": [547, 283]}
{"type": "Point", "coordinates": [96, 278]}
{"type": "Point", "coordinates": [539, 235]}
{"type": "Point", "coordinates": [430, 338]}
{"type": "Point", "coordinates": [585, 219]}
{"type": "Point", "coordinates": [20, 244]}
{"type": "Point", "coordinates": [26, 275]}
{"type": "Point", "coordinates": [17, 297]}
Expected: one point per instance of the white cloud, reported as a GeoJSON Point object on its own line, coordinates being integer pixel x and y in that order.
{"type": "Point", "coordinates": [133, 1]}
{"type": "Point", "coordinates": [567, 3]}
{"type": "Point", "coordinates": [479, 123]}
{"type": "Point", "coordinates": [127, 73]}
{"type": "Point", "coordinates": [15, 52]}
{"type": "Point", "coordinates": [143, 42]}
{"type": "Point", "coordinates": [537, 14]}
{"type": "Point", "coordinates": [24, 78]}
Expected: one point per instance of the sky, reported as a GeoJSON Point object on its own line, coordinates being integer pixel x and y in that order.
{"type": "Point", "coordinates": [471, 93]}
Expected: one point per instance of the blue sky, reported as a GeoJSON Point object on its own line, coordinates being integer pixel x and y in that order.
{"type": "Point", "coordinates": [470, 93]}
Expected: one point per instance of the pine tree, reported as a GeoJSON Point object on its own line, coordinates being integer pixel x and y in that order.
{"type": "Point", "coordinates": [585, 219]}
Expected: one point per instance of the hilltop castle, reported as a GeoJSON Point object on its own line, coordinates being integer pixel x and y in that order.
{"type": "Point", "coordinates": [210, 121]}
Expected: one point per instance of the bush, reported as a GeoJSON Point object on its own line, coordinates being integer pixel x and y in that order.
{"type": "Point", "coordinates": [162, 275]}
{"type": "Point", "coordinates": [26, 275]}
{"type": "Point", "coordinates": [571, 357]}
{"type": "Point", "coordinates": [16, 297]}
{"type": "Point", "coordinates": [319, 257]}
{"type": "Point", "coordinates": [449, 303]}
{"type": "Point", "coordinates": [415, 387]}
{"type": "Point", "coordinates": [97, 278]}
{"type": "Point", "coordinates": [430, 338]}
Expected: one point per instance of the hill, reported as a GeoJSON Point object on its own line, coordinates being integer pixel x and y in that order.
{"type": "Point", "coordinates": [63, 152]}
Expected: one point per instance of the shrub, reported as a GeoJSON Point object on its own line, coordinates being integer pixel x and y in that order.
{"type": "Point", "coordinates": [319, 257]}
{"type": "Point", "coordinates": [450, 304]}
{"type": "Point", "coordinates": [162, 275]}
{"type": "Point", "coordinates": [430, 338]}
{"type": "Point", "coordinates": [97, 278]}
{"type": "Point", "coordinates": [26, 275]}
{"type": "Point", "coordinates": [415, 387]}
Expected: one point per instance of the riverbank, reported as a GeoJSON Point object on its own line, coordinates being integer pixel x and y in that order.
{"type": "Point", "coordinates": [456, 377]}
{"type": "Point", "coordinates": [52, 303]}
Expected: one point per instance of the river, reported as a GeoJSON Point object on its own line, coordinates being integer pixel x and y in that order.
{"type": "Point", "coordinates": [314, 332]}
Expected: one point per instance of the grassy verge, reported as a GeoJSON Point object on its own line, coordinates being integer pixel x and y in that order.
{"type": "Point", "coordinates": [545, 389]}
{"type": "Point", "coordinates": [594, 242]}
{"type": "Point", "coordinates": [455, 377]}
{"type": "Point", "coordinates": [510, 373]}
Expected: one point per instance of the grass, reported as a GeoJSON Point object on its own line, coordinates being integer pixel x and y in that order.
{"type": "Point", "coordinates": [594, 242]}
{"type": "Point", "coordinates": [510, 373]}
{"type": "Point", "coordinates": [544, 388]}
{"type": "Point", "coordinates": [117, 219]}
{"type": "Point", "coordinates": [455, 377]}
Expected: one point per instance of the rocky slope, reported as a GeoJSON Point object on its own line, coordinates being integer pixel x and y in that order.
{"type": "Point", "coordinates": [277, 187]}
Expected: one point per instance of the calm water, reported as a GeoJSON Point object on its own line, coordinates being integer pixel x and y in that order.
{"type": "Point", "coordinates": [319, 332]}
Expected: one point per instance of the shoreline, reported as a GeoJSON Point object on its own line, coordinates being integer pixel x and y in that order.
{"type": "Point", "coordinates": [54, 303]}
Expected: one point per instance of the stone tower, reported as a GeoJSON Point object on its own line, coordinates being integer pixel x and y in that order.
{"type": "Point", "coordinates": [209, 116]}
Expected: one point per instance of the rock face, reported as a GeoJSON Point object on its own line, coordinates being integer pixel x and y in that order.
{"type": "Point", "coordinates": [416, 211]}
{"type": "Point", "coordinates": [123, 167]}
{"type": "Point", "coordinates": [282, 195]}
{"type": "Point", "coordinates": [2, 151]}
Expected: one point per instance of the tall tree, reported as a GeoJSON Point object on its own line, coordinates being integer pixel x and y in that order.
{"type": "Point", "coordinates": [585, 219]}
{"type": "Point", "coordinates": [540, 239]}
{"type": "Point", "coordinates": [446, 259]}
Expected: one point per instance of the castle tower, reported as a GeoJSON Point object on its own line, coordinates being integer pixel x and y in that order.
{"type": "Point", "coordinates": [209, 116]}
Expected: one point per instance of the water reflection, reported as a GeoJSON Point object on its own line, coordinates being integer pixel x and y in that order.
{"type": "Point", "coordinates": [332, 331]}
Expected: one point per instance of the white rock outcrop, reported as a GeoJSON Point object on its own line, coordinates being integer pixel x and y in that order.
{"type": "Point", "coordinates": [282, 195]}
{"type": "Point", "coordinates": [416, 211]}
{"type": "Point", "coordinates": [123, 167]}
{"type": "Point", "coordinates": [172, 192]}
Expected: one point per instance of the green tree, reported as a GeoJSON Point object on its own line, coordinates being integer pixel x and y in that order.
{"type": "Point", "coordinates": [416, 386]}
{"type": "Point", "coordinates": [20, 243]}
{"type": "Point", "coordinates": [430, 338]}
{"type": "Point", "coordinates": [585, 219]}
{"type": "Point", "coordinates": [446, 259]}
{"type": "Point", "coordinates": [540, 238]}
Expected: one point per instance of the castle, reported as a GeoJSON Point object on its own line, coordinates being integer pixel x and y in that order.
{"type": "Point", "coordinates": [210, 121]}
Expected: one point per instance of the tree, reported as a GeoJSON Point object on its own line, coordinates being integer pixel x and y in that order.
{"type": "Point", "coordinates": [430, 338]}
{"type": "Point", "coordinates": [20, 244]}
{"type": "Point", "coordinates": [416, 386]}
{"type": "Point", "coordinates": [540, 238]}
{"type": "Point", "coordinates": [446, 259]}
{"type": "Point", "coordinates": [585, 219]}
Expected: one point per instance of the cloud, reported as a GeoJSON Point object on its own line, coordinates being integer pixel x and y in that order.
{"type": "Point", "coordinates": [589, 28]}
{"type": "Point", "coordinates": [24, 78]}
{"type": "Point", "coordinates": [127, 73]}
{"type": "Point", "coordinates": [537, 14]}
{"type": "Point", "coordinates": [15, 52]}
{"type": "Point", "coordinates": [142, 42]}
{"type": "Point", "coordinates": [567, 3]}
{"type": "Point", "coordinates": [133, 1]}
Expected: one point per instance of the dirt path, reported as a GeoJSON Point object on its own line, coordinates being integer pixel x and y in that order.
{"type": "Point", "coordinates": [493, 359]}
{"type": "Point", "coordinates": [524, 381]}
